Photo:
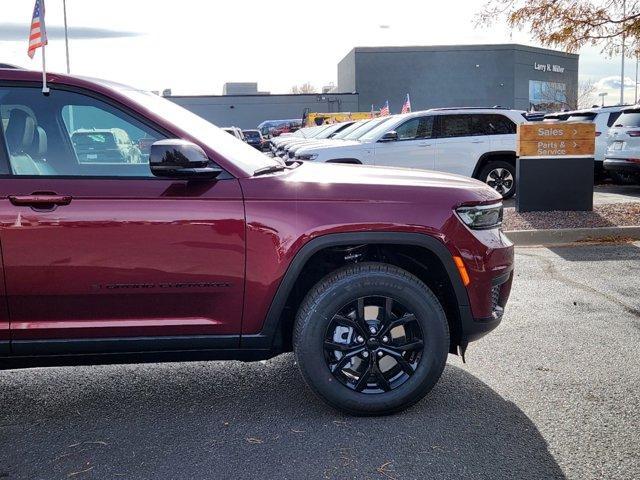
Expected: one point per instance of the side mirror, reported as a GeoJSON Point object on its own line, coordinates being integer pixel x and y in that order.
{"type": "Point", "coordinates": [175, 158]}
{"type": "Point", "coordinates": [390, 136]}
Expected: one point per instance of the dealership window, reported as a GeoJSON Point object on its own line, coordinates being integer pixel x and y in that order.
{"type": "Point", "coordinates": [547, 96]}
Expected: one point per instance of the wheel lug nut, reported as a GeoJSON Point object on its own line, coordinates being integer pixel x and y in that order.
{"type": "Point", "coordinates": [365, 354]}
{"type": "Point", "coordinates": [373, 330]}
{"type": "Point", "coordinates": [380, 354]}
{"type": "Point", "coordinates": [385, 339]}
{"type": "Point", "coordinates": [360, 339]}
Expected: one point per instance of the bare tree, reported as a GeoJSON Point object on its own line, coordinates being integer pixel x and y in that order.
{"type": "Point", "coordinates": [571, 24]}
{"type": "Point", "coordinates": [304, 88]}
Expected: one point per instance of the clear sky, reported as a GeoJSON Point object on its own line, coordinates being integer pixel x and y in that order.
{"type": "Point", "coordinates": [195, 46]}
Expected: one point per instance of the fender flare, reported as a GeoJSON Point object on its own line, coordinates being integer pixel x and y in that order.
{"type": "Point", "coordinates": [481, 161]}
{"type": "Point", "coordinates": [265, 338]}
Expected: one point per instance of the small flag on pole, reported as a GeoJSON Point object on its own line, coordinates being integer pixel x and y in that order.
{"type": "Point", "coordinates": [38, 38]}
{"type": "Point", "coordinates": [406, 107]}
{"type": "Point", "coordinates": [38, 32]}
{"type": "Point", "coordinates": [384, 111]}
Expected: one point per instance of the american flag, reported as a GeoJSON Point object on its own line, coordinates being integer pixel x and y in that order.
{"type": "Point", "coordinates": [384, 111]}
{"type": "Point", "coordinates": [406, 107]}
{"type": "Point", "coordinates": [38, 33]}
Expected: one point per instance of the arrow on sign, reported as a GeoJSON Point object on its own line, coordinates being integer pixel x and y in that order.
{"type": "Point", "coordinates": [575, 132]}
{"type": "Point", "coordinates": [575, 144]}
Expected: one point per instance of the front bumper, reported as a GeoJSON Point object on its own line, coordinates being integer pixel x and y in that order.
{"type": "Point", "coordinates": [474, 328]}
{"type": "Point", "coordinates": [626, 165]}
{"type": "Point", "coordinates": [488, 256]}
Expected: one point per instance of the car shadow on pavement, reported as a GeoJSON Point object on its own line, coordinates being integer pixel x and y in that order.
{"type": "Point", "coordinates": [232, 420]}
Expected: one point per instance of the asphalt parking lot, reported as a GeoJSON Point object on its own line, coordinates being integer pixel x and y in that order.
{"type": "Point", "coordinates": [553, 393]}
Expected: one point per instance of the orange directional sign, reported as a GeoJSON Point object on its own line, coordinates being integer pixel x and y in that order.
{"type": "Point", "coordinates": [562, 139]}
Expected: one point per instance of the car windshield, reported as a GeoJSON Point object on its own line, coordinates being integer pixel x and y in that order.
{"type": "Point", "coordinates": [93, 139]}
{"type": "Point", "coordinates": [349, 129]}
{"type": "Point", "coordinates": [326, 133]}
{"type": "Point", "coordinates": [251, 134]}
{"type": "Point", "coordinates": [581, 117]}
{"type": "Point", "coordinates": [242, 155]}
{"type": "Point", "coordinates": [370, 125]}
{"type": "Point", "coordinates": [629, 119]}
{"type": "Point", "coordinates": [380, 129]}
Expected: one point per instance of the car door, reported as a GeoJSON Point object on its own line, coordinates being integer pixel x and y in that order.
{"type": "Point", "coordinates": [100, 249]}
{"type": "Point", "coordinates": [414, 147]}
{"type": "Point", "coordinates": [460, 144]}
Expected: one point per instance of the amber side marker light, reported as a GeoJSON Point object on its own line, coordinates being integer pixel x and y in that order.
{"type": "Point", "coordinates": [463, 270]}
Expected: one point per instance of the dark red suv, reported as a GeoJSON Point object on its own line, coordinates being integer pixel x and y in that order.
{"type": "Point", "coordinates": [201, 247]}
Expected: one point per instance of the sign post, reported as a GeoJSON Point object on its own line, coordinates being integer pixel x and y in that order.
{"type": "Point", "coordinates": [554, 168]}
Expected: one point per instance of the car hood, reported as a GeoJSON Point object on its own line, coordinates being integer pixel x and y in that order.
{"type": "Point", "coordinates": [343, 182]}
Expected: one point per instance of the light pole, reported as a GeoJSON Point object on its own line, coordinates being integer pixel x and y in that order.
{"type": "Point", "coordinates": [66, 34]}
{"type": "Point", "coordinates": [624, 14]}
{"type": "Point", "coordinates": [635, 97]}
{"type": "Point", "coordinates": [602, 95]}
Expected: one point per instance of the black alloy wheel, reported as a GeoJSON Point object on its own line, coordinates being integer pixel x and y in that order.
{"type": "Point", "coordinates": [373, 345]}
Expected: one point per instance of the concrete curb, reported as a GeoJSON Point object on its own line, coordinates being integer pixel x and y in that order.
{"type": "Point", "coordinates": [570, 235]}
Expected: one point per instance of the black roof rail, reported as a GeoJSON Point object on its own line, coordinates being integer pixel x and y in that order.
{"type": "Point", "coordinates": [12, 67]}
{"type": "Point", "coordinates": [495, 107]}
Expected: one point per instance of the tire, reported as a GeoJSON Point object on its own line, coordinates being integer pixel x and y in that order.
{"type": "Point", "coordinates": [413, 373]}
{"type": "Point", "coordinates": [501, 172]}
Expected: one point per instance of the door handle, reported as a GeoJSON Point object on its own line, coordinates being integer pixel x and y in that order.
{"type": "Point", "coordinates": [40, 200]}
{"type": "Point", "coordinates": [477, 141]}
{"type": "Point", "coordinates": [424, 144]}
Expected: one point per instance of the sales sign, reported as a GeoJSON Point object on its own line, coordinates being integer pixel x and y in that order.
{"type": "Point", "coordinates": [563, 139]}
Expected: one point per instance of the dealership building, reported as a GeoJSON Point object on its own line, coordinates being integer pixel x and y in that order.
{"type": "Point", "coordinates": [509, 75]}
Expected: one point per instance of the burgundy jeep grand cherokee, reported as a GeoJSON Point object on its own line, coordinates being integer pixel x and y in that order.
{"type": "Point", "coordinates": [132, 230]}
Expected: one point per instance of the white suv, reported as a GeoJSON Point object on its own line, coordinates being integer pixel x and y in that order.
{"type": "Point", "coordinates": [604, 118]}
{"type": "Point", "coordinates": [622, 160]}
{"type": "Point", "coordinates": [476, 142]}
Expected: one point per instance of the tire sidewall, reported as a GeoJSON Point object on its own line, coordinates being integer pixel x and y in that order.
{"type": "Point", "coordinates": [420, 301]}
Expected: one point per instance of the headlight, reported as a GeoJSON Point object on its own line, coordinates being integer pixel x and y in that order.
{"type": "Point", "coordinates": [307, 156]}
{"type": "Point", "coordinates": [481, 217]}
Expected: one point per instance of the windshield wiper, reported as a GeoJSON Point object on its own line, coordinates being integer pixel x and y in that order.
{"type": "Point", "coordinates": [276, 168]}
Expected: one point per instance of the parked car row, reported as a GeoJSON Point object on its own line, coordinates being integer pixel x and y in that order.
{"type": "Point", "coordinates": [474, 142]}
{"type": "Point", "coordinates": [252, 136]}
{"type": "Point", "coordinates": [603, 117]}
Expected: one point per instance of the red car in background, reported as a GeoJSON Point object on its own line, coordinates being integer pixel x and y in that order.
{"type": "Point", "coordinates": [208, 249]}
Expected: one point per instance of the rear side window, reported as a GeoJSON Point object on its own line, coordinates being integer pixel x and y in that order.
{"type": "Point", "coordinates": [469, 125]}
{"type": "Point", "coordinates": [613, 116]}
{"type": "Point", "coordinates": [628, 119]}
{"type": "Point", "coordinates": [495, 124]}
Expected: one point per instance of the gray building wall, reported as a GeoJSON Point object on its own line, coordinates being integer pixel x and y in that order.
{"type": "Point", "coordinates": [247, 111]}
{"type": "Point", "coordinates": [450, 76]}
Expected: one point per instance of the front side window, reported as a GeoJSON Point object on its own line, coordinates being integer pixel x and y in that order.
{"type": "Point", "coordinates": [71, 134]}
{"type": "Point", "coordinates": [416, 128]}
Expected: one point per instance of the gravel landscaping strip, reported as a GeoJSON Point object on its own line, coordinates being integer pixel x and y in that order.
{"type": "Point", "coordinates": [608, 215]}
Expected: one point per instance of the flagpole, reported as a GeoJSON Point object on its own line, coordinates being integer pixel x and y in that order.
{"type": "Point", "coordinates": [45, 89]}
{"type": "Point", "coordinates": [66, 34]}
